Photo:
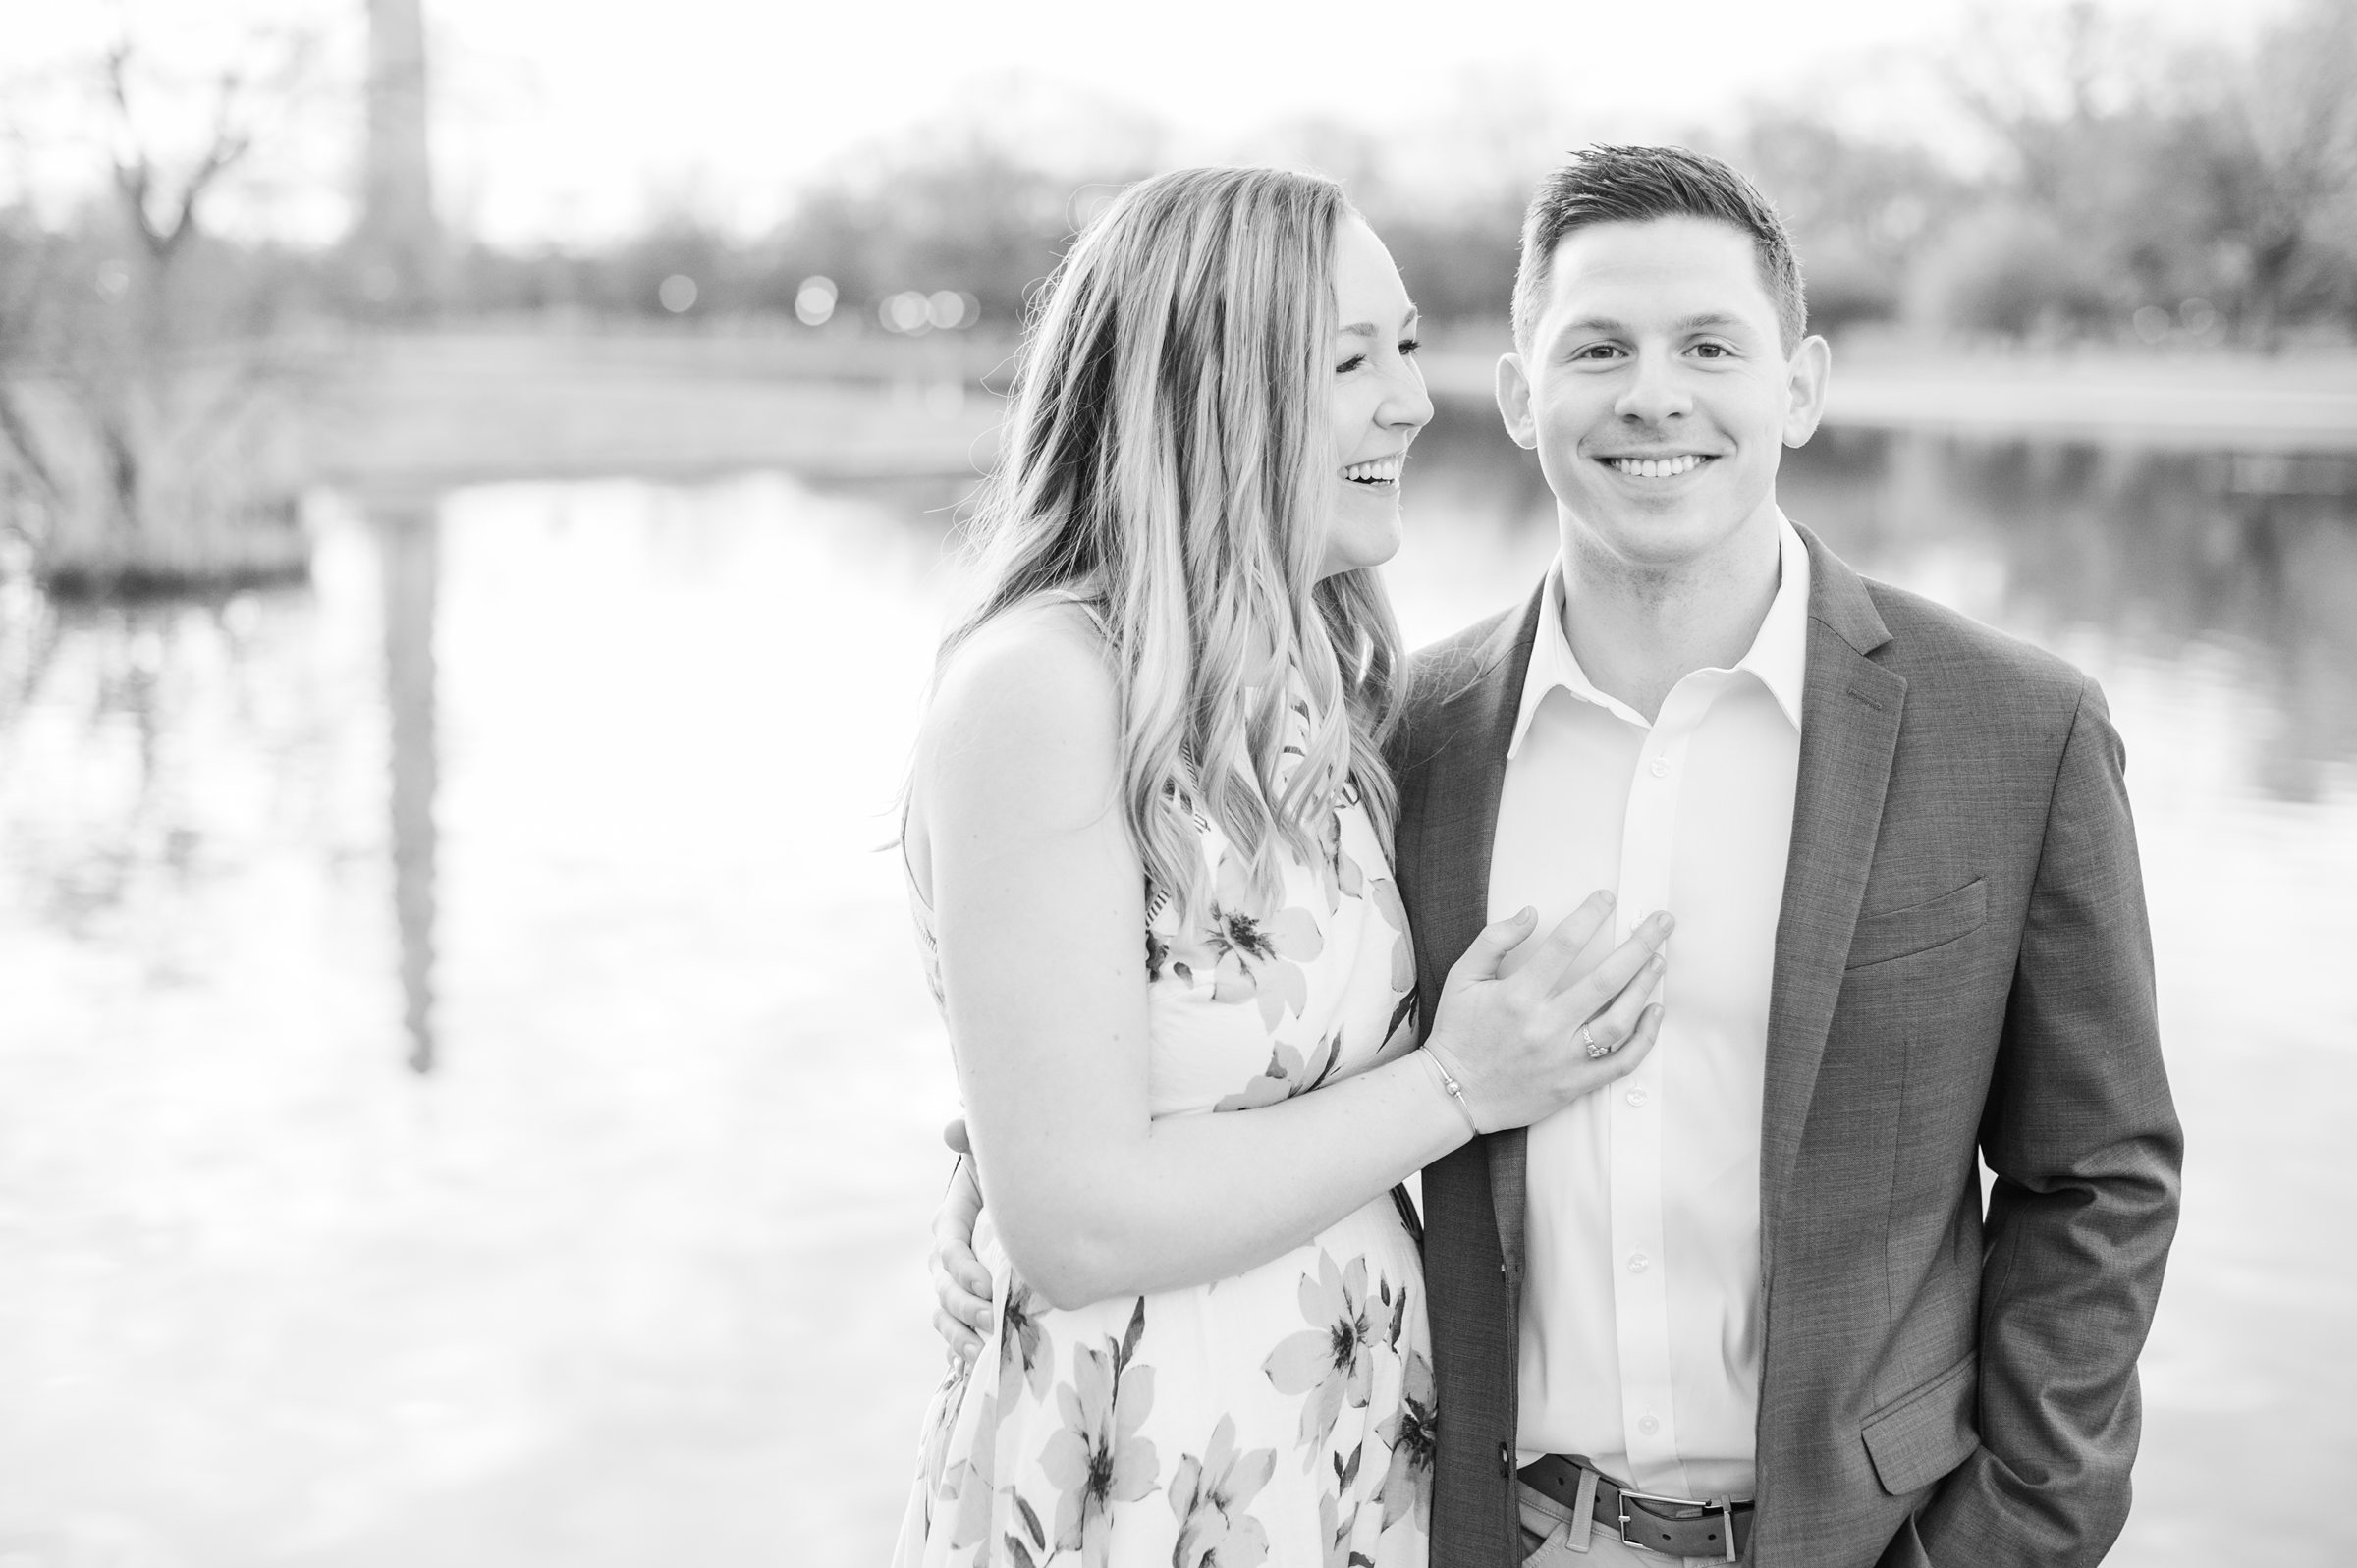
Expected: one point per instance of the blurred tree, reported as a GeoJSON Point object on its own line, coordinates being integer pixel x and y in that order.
{"type": "Point", "coordinates": [969, 215]}
{"type": "Point", "coordinates": [139, 409]}
{"type": "Point", "coordinates": [2282, 166]}
{"type": "Point", "coordinates": [1458, 265]}
{"type": "Point", "coordinates": [1862, 211]}
{"type": "Point", "coordinates": [2009, 271]}
{"type": "Point", "coordinates": [2183, 179]}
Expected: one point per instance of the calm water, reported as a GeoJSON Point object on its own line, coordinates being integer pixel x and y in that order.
{"type": "Point", "coordinates": [467, 1096]}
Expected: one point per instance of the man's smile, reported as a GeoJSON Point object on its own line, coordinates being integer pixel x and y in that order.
{"type": "Point", "coordinates": [1667, 466]}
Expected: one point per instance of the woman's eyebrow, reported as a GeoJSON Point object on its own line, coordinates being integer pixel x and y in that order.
{"type": "Point", "coordinates": [1368, 329]}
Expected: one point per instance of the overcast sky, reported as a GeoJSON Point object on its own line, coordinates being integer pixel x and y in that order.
{"type": "Point", "coordinates": [561, 118]}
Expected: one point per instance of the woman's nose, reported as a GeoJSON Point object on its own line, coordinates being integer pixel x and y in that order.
{"type": "Point", "coordinates": [1407, 405]}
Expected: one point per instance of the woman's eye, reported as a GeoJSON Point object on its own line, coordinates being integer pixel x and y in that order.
{"type": "Point", "coordinates": [1408, 347]}
{"type": "Point", "coordinates": [1354, 362]}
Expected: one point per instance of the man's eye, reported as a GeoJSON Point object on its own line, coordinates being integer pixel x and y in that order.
{"type": "Point", "coordinates": [1712, 351]}
{"type": "Point", "coordinates": [1597, 350]}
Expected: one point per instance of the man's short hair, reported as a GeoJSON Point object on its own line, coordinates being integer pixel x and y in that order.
{"type": "Point", "coordinates": [1631, 185]}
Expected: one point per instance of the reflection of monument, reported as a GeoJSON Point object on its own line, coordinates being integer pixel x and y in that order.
{"type": "Point", "coordinates": [409, 548]}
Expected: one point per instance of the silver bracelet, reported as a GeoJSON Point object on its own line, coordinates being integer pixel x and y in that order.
{"type": "Point", "coordinates": [1456, 1091]}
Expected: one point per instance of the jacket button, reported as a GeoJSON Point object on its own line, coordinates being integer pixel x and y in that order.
{"type": "Point", "coordinates": [1506, 1460]}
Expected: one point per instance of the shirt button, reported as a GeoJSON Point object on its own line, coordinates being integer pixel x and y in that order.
{"type": "Point", "coordinates": [1638, 1263]}
{"type": "Point", "coordinates": [1636, 1097]}
{"type": "Point", "coordinates": [1649, 1425]}
{"type": "Point", "coordinates": [1661, 767]}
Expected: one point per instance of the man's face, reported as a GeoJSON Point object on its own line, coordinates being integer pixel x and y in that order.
{"type": "Point", "coordinates": [1656, 392]}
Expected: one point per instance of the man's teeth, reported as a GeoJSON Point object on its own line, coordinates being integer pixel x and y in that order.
{"type": "Point", "coordinates": [1383, 470]}
{"type": "Point", "coordinates": [1658, 467]}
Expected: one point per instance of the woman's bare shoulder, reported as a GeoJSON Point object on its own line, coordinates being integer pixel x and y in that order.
{"type": "Point", "coordinates": [1026, 704]}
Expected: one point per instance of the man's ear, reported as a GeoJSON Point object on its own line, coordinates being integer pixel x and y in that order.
{"type": "Point", "coordinates": [1806, 374]}
{"type": "Point", "coordinates": [1513, 400]}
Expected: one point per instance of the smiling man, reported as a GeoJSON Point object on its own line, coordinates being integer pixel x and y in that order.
{"type": "Point", "coordinates": [1747, 1302]}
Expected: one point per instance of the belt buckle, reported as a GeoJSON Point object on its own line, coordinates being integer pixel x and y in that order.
{"type": "Point", "coordinates": [1688, 1508]}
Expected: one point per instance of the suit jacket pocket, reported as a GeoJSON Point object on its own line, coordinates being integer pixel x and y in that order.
{"type": "Point", "coordinates": [1926, 1432]}
{"type": "Point", "coordinates": [1879, 938]}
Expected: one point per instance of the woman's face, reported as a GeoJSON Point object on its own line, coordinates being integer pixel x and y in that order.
{"type": "Point", "coordinates": [1378, 401]}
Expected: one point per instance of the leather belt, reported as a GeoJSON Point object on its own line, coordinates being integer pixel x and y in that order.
{"type": "Point", "coordinates": [1676, 1527]}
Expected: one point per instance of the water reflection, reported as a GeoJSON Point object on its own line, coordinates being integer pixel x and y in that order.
{"type": "Point", "coordinates": [2158, 551]}
{"type": "Point", "coordinates": [409, 542]}
{"type": "Point", "coordinates": [573, 793]}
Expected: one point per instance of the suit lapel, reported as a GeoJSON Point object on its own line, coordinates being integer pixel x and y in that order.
{"type": "Point", "coordinates": [1850, 711]}
{"type": "Point", "coordinates": [1471, 728]}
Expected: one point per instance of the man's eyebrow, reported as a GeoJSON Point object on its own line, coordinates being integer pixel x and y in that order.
{"type": "Point", "coordinates": [1708, 320]}
{"type": "Point", "coordinates": [1368, 329]}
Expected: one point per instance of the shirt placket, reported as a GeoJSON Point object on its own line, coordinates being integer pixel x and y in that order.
{"type": "Point", "coordinates": [1640, 1276]}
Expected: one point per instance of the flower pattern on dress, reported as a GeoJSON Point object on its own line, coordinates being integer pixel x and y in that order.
{"type": "Point", "coordinates": [1025, 1349]}
{"type": "Point", "coordinates": [1210, 1496]}
{"type": "Point", "coordinates": [1028, 1541]}
{"type": "Point", "coordinates": [1098, 1459]}
{"type": "Point", "coordinates": [1258, 959]}
{"type": "Point", "coordinates": [1338, 875]}
{"type": "Point", "coordinates": [969, 1483]}
{"type": "Point", "coordinates": [1413, 1436]}
{"type": "Point", "coordinates": [1330, 1361]}
{"type": "Point", "coordinates": [1337, 1529]}
{"type": "Point", "coordinates": [1384, 894]}
{"type": "Point", "coordinates": [1285, 1076]}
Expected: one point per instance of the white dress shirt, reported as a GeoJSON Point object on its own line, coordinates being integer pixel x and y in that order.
{"type": "Point", "coordinates": [1640, 1306]}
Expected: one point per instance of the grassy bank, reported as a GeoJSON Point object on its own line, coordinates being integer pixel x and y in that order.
{"type": "Point", "coordinates": [462, 406]}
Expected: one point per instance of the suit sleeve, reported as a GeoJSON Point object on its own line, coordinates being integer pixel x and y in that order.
{"type": "Point", "coordinates": [2083, 1141]}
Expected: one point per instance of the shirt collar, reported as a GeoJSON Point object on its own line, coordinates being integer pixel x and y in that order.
{"type": "Point", "coordinates": [1778, 658]}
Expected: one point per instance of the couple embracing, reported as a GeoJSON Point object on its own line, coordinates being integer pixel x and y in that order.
{"type": "Point", "coordinates": [1696, 927]}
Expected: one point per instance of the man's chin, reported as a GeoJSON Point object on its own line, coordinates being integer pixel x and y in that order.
{"type": "Point", "coordinates": [1656, 536]}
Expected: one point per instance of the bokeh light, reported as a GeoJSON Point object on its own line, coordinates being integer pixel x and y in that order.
{"type": "Point", "coordinates": [908, 311]}
{"type": "Point", "coordinates": [814, 301]}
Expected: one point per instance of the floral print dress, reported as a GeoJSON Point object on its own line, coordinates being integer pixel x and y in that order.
{"type": "Point", "coordinates": [1283, 1416]}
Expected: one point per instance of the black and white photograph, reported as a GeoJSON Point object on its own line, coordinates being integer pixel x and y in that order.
{"type": "Point", "coordinates": [1044, 785]}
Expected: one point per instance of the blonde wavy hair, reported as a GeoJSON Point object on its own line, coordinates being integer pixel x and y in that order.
{"type": "Point", "coordinates": [1168, 463]}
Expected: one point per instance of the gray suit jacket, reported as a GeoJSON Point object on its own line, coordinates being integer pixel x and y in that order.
{"type": "Point", "coordinates": [1962, 964]}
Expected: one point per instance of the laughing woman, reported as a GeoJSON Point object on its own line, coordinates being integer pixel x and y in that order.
{"type": "Point", "coordinates": [1147, 836]}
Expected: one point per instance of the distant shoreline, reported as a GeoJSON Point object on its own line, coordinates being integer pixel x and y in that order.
{"type": "Point", "coordinates": [471, 405]}
{"type": "Point", "coordinates": [2246, 402]}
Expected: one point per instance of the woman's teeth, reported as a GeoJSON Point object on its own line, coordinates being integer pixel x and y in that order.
{"type": "Point", "coordinates": [1381, 471]}
{"type": "Point", "coordinates": [1658, 467]}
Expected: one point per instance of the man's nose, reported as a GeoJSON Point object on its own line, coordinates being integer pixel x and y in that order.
{"type": "Point", "coordinates": [1653, 395]}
